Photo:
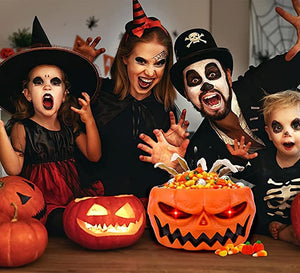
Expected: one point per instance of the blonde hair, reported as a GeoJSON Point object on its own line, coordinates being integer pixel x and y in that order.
{"type": "Point", "coordinates": [163, 91]}
{"type": "Point", "coordinates": [280, 100]}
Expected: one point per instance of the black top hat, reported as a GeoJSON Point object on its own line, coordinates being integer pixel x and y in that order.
{"type": "Point", "coordinates": [82, 74]}
{"type": "Point", "coordinates": [192, 46]}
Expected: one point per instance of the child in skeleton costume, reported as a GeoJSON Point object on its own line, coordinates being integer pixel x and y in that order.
{"type": "Point", "coordinates": [136, 100]}
{"type": "Point", "coordinates": [44, 129]}
{"type": "Point", "coordinates": [276, 170]}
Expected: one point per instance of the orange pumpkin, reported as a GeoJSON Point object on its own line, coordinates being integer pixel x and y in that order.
{"type": "Point", "coordinates": [25, 194]}
{"type": "Point", "coordinates": [105, 222]}
{"type": "Point", "coordinates": [22, 240]}
{"type": "Point", "coordinates": [295, 215]}
{"type": "Point", "coordinates": [201, 219]}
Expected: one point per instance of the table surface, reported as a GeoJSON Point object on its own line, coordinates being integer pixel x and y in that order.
{"type": "Point", "coordinates": [147, 255]}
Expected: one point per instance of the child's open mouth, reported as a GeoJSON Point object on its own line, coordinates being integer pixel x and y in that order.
{"type": "Point", "coordinates": [48, 101]}
{"type": "Point", "coordinates": [288, 145]}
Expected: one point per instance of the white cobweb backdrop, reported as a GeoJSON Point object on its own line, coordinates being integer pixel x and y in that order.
{"type": "Point", "coordinates": [270, 33]}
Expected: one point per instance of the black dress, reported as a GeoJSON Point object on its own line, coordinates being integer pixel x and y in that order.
{"type": "Point", "coordinates": [49, 163]}
{"type": "Point", "coordinates": [120, 123]}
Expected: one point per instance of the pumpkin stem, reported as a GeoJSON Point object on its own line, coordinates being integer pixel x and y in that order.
{"type": "Point", "coordinates": [1, 184]}
{"type": "Point", "coordinates": [15, 218]}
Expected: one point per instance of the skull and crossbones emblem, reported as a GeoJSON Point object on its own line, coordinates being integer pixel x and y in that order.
{"type": "Point", "coordinates": [194, 37]}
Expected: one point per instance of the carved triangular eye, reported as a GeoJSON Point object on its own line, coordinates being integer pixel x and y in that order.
{"type": "Point", "coordinates": [31, 185]}
{"type": "Point", "coordinates": [126, 212]}
{"type": "Point", "coordinates": [24, 198]}
{"type": "Point", "coordinates": [97, 210]}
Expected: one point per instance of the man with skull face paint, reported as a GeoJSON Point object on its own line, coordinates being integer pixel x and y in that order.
{"type": "Point", "coordinates": [232, 110]}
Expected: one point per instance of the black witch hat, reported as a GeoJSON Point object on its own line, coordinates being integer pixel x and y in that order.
{"type": "Point", "coordinates": [82, 73]}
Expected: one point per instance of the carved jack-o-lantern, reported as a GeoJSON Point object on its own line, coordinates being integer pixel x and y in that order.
{"type": "Point", "coordinates": [105, 222]}
{"type": "Point", "coordinates": [201, 219]}
{"type": "Point", "coordinates": [25, 194]}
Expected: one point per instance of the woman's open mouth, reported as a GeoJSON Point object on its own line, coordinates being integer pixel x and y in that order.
{"type": "Point", "coordinates": [48, 101]}
{"type": "Point", "coordinates": [145, 83]}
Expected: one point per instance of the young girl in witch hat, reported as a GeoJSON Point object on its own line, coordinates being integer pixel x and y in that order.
{"type": "Point", "coordinates": [45, 126]}
{"type": "Point", "coordinates": [137, 99]}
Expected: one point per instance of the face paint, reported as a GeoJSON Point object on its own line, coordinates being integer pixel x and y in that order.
{"type": "Point", "coordinates": [145, 68]}
{"type": "Point", "coordinates": [296, 124]}
{"type": "Point", "coordinates": [162, 56]}
{"type": "Point", "coordinates": [207, 88]}
{"type": "Point", "coordinates": [283, 129]}
{"type": "Point", "coordinates": [39, 81]}
{"type": "Point", "coordinates": [46, 89]}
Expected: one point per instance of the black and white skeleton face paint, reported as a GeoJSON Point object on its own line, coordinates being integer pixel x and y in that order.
{"type": "Point", "coordinates": [207, 88]}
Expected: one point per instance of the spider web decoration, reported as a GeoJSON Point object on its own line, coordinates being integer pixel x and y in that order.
{"type": "Point", "coordinates": [270, 33]}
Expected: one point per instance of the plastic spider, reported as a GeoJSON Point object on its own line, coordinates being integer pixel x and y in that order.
{"type": "Point", "coordinates": [92, 22]}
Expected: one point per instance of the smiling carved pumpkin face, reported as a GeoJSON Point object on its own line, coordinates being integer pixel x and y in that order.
{"type": "Point", "coordinates": [25, 194]}
{"type": "Point", "coordinates": [201, 219]}
{"type": "Point", "coordinates": [105, 222]}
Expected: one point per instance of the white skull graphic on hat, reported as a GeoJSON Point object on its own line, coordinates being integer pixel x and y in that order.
{"type": "Point", "coordinates": [194, 37]}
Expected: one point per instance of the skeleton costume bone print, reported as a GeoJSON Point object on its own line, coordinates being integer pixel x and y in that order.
{"type": "Point", "coordinates": [280, 197]}
{"type": "Point", "coordinates": [274, 190]}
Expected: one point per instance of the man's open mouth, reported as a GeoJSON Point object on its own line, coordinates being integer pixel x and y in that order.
{"type": "Point", "coordinates": [212, 100]}
{"type": "Point", "coordinates": [48, 101]}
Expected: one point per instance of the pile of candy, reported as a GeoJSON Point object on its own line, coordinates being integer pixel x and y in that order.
{"type": "Point", "coordinates": [199, 179]}
{"type": "Point", "coordinates": [256, 250]}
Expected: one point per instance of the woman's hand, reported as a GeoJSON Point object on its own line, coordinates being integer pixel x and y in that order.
{"type": "Point", "coordinates": [161, 151]}
{"type": "Point", "coordinates": [177, 132]}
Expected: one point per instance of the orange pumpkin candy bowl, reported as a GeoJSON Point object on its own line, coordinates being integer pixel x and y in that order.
{"type": "Point", "coordinates": [105, 222]}
{"type": "Point", "coordinates": [25, 194]}
{"type": "Point", "coordinates": [196, 217]}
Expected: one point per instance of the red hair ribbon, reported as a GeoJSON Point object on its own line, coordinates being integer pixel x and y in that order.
{"type": "Point", "coordinates": [149, 23]}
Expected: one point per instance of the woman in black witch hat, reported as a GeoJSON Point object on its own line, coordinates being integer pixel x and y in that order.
{"type": "Point", "coordinates": [138, 99]}
{"type": "Point", "coordinates": [44, 131]}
